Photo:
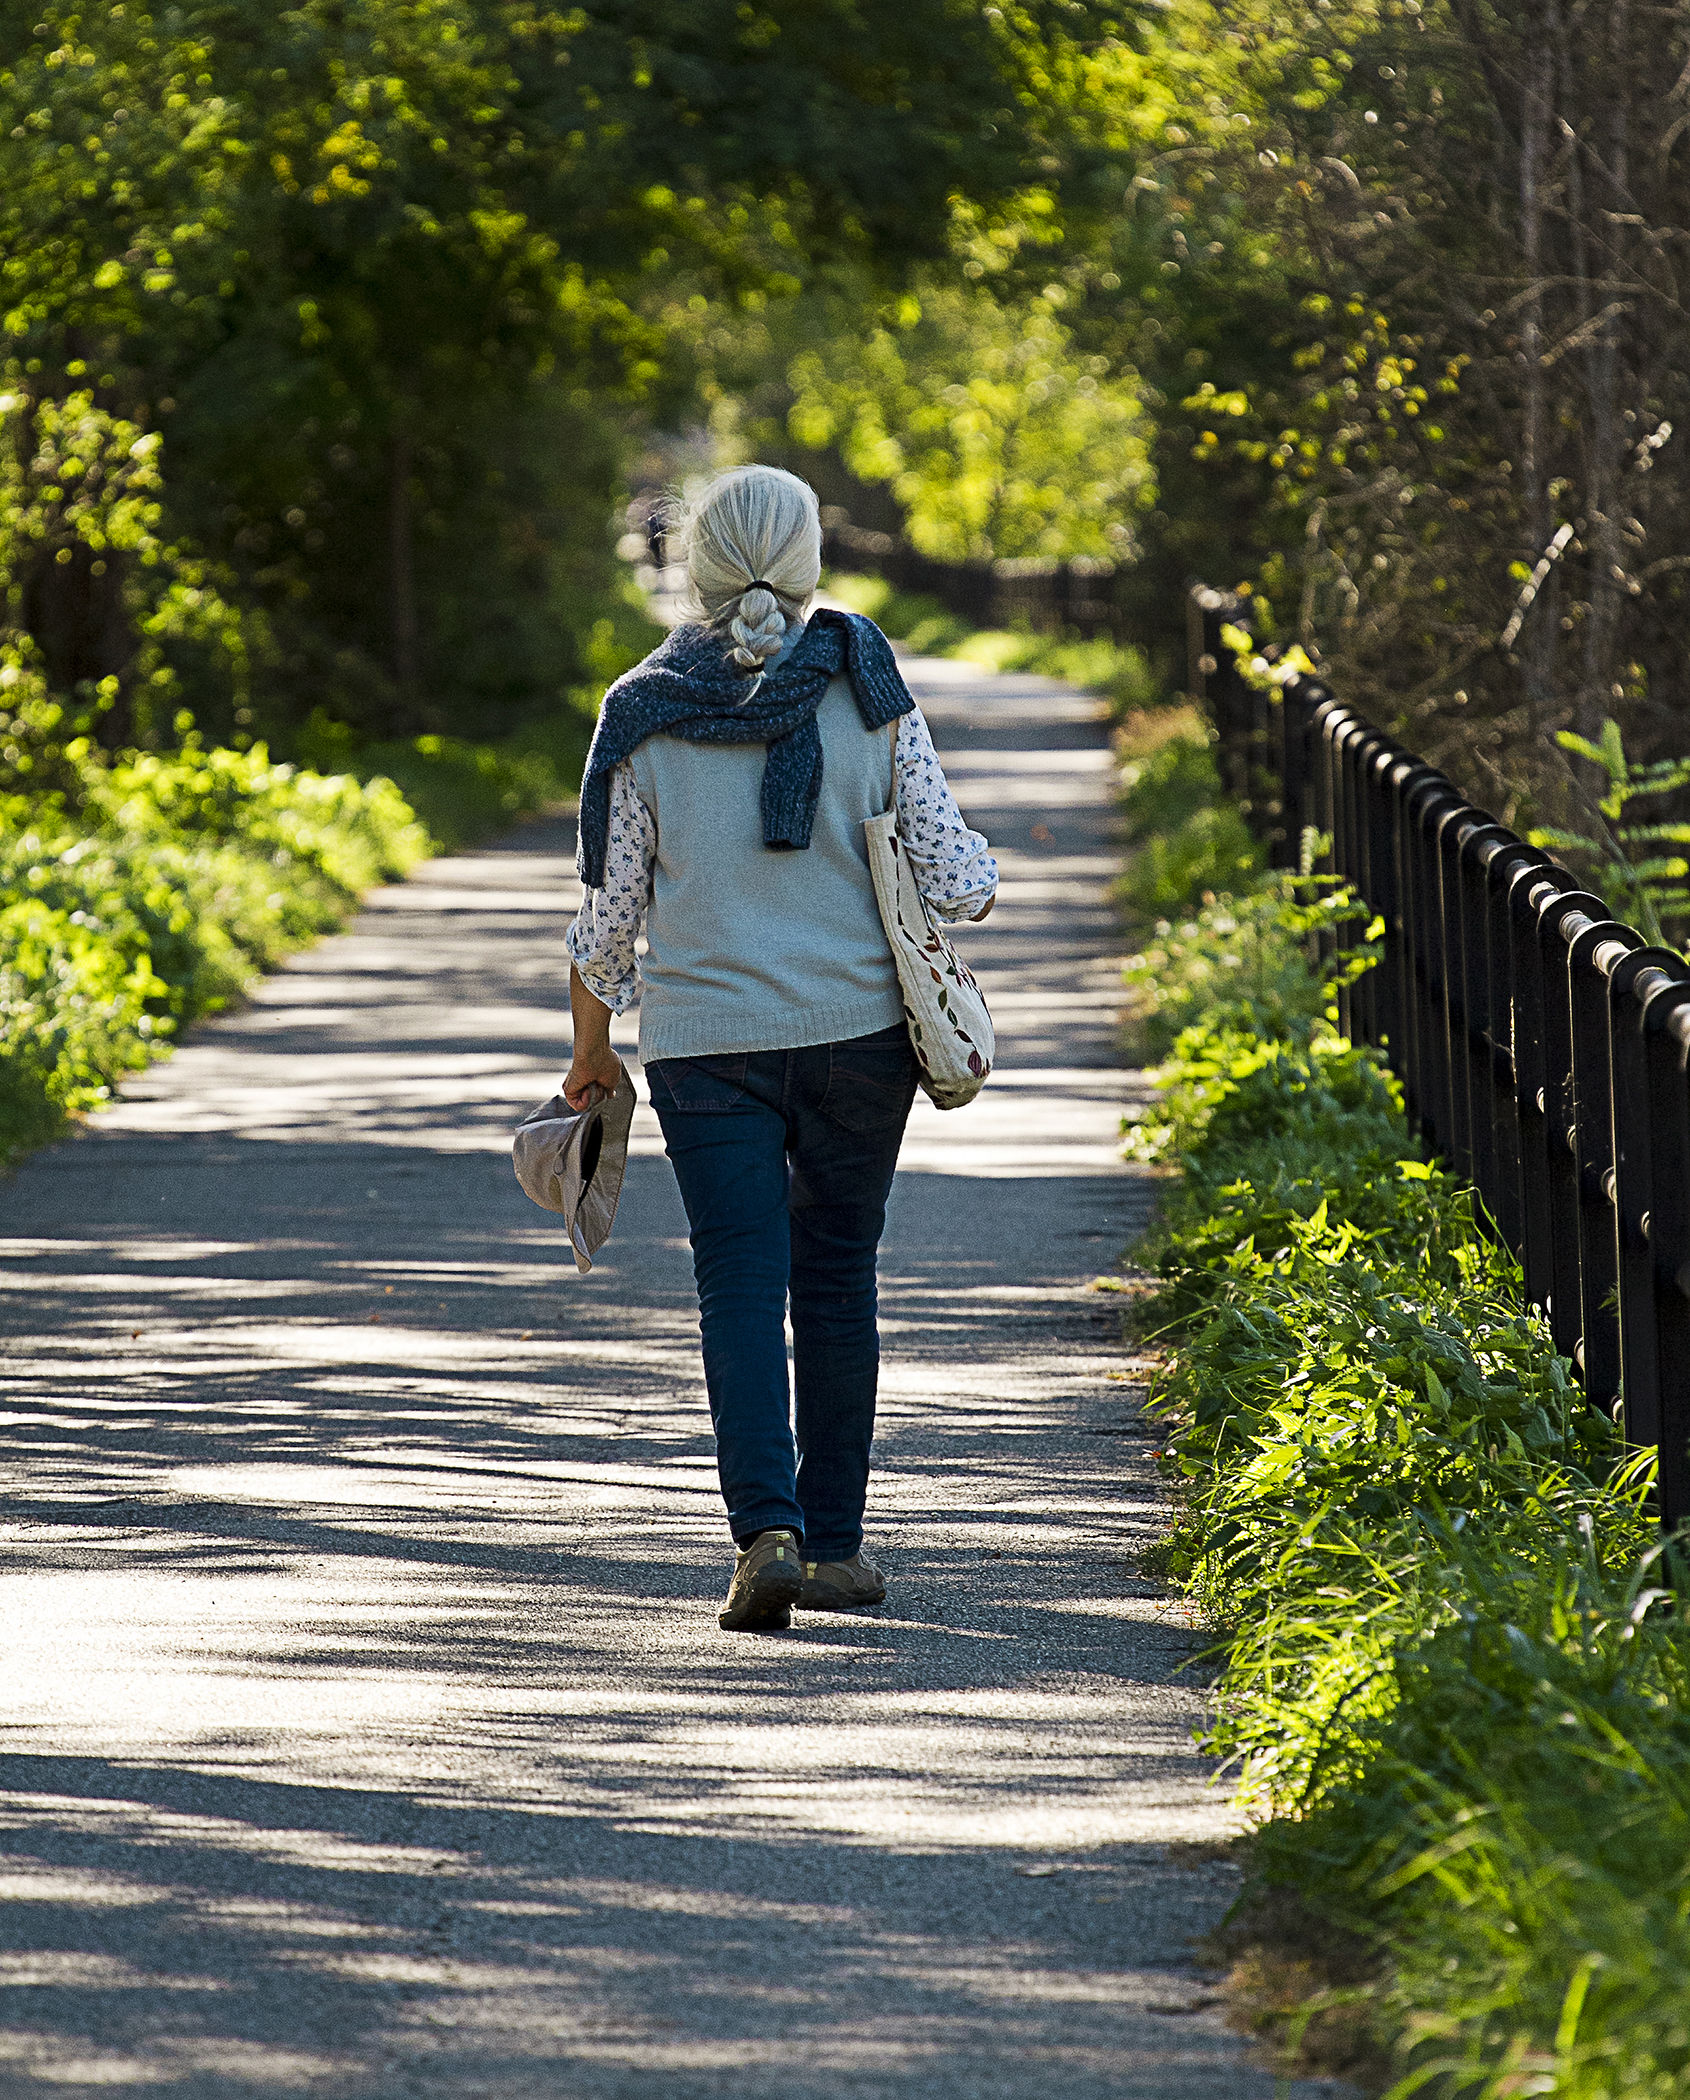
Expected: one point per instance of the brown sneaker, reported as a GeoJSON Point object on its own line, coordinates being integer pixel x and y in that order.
{"type": "Point", "coordinates": [768, 1576]}
{"type": "Point", "coordinates": [841, 1585]}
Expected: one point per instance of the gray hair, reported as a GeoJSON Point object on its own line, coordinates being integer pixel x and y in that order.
{"type": "Point", "coordinates": [753, 547]}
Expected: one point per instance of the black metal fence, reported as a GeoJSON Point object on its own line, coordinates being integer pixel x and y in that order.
{"type": "Point", "coordinates": [1543, 1047]}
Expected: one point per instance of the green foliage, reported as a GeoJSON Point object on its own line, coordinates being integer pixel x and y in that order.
{"type": "Point", "coordinates": [463, 792]}
{"type": "Point", "coordinates": [1169, 785]}
{"type": "Point", "coordinates": [1399, 365]}
{"type": "Point", "coordinates": [1625, 863]}
{"type": "Point", "coordinates": [147, 888]}
{"type": "Point", "coordinates": [395, 277]}
{"type": "Point", "coordinates": [153, 895]}
{"type": "Point", "coordinates": [1455, 1685]}
{"type": "Point", "coordinates": [920, 623]}
{"type": "Point", "coordinates": [1097, 665]}
{"type": "Point", "coordinates": [1406, 382]}
{"type": "Point", "coordinates": [1184, 843]}
{"type": "Point", "coordinates": [1262, 965]}
{"type": "Point", "coordinates": [1522, 1814]}
{"type": "Point", "coordinates": [923, 624]}
{"type": "Point", "coordinates": [1303, 1164]}
{"type": "Point", "coordinates": [996, 435]}
{"type": "Point", "coordinates": [83, 559]}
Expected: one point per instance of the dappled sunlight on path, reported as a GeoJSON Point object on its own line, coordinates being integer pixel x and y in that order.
{"type": "Point", "coordinates": [367, 1723]}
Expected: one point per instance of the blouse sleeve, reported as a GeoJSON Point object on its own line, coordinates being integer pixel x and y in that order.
{"type": "Point", "coordinates": [953, 866]}
{"type": "Point", "coordinates": [600, 943]}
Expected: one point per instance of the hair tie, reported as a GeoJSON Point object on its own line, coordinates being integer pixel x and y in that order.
{"type": "Point", "coordinates": [761, 584]}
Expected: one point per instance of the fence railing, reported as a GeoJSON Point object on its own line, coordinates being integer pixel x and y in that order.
{"type": "Point", "coordinates": [1543, 1047]}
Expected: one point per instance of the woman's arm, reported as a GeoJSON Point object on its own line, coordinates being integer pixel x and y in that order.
{"type": "Point", "coordinates": [604, 976]}
{"type": "Point", "coordinates": [595, 1070]}
{"type": "Point", "coordinates": [600, 941]}
{"type": "Point", "coordinates": [953, 866]}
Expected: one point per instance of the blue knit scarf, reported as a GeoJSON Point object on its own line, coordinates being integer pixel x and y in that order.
{"type": "Point", "coordinates": [688, 687]}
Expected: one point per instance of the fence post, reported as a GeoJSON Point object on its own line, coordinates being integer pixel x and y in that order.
{"type": "Point", "coordinates": [1529, 890]}
{"type": "Point", "coordinates": [1423, 922]}
{"type": "Point", "coordinates": [1666, 1028]}
{"type": "Point", "coordinates": [1356, 744]}
{"type": "Point", "coordinates": [1406, 777]}
{"type": "Point", "coordinates": [1591, 951]}
{"type": "Point", "coordinates": [1441, 814]}
{"type": "Point", "coordinates": [1633, 981]}
{"type": "Point", "coordinates": [1501, 866]}
{"type": "Point", "coordinates": [1380, 986]}
{"type": "Point", "coordinates": [1217, 683]}
{"type": "Point", "coordinates": [1342, 732]}
{"type": "Point", "coordinates": [1566, 1301]}
{"type": "Point", "coordinates": [1475, 841]}
{"type": "Point", "coordinates": [1296, 732]}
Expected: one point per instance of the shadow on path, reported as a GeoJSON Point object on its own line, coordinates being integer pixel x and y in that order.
{"type": "Point", "coordinates": [367, 1727]}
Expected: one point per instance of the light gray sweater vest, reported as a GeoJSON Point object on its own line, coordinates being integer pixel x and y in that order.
{"type": "Point", "coordinates": [753, 950]}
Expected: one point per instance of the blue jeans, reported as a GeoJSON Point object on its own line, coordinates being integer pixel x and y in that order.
{"type": "Point", "coordinates": [785, 1161]}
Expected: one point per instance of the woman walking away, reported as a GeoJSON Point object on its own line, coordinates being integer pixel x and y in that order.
{"type": "Point", "coordinates": [723, 807]}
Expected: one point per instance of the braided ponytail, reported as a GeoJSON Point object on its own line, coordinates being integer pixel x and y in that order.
{"type": "Point", "coordinates": [758, 627]}
{"type": "Point", "coordinates": [753, 547]}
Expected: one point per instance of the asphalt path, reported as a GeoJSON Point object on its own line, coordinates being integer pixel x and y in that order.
{"type": "Point", "coordinates": [367, 1725]}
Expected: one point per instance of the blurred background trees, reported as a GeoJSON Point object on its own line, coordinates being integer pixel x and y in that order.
{"type": "Point", "coordinates": [337, 336]}
{"type": "Point", "coordinates": [1373, 309]}
{"type": "Point", "coordinates": [1409, 275]}
{"type": "Point", "coordinates": [371, 294]}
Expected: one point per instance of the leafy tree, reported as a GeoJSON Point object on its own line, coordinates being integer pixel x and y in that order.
{"type": "Point", "coordinates": [1455, 233]}
{"type": "Point", "coordinates": [389, 275]}
{"type": "Point", "coordinates": [1397, 283]}
{"type": "Point", "coordinates": [998, 437]}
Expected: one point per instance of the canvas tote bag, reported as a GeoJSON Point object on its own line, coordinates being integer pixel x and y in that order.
{"type": "Point", "coordinates": [950, 1029]}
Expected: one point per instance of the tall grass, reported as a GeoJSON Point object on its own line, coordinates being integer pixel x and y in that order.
{"type": "Point", "coordinates": [1456, 1682]}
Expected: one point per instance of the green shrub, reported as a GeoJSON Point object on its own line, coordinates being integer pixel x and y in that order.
{"type": "Point", "coordinates": [1243, 963]}
{"type": "Point", "coordinates": [461, 791]}
{"type": "Point", "coordinates": [1122, 675]}
{"type": "Point", "coordinates": [75, 1010]}
{"type": "Point", "coordinates": [922, 624]}
{"type": "Point", "coordinates": [1212, 853]}
{"type": "Point", "coordinates": [1183, 843]}
{"type": "Point", "coordinates": [351, 833]}
{"type": "Point", "coordinates": [142, 893]}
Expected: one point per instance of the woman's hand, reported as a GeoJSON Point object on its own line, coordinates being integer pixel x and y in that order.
{"type": "Point", "coordinates": [593, 1077]}
{"type": "Point", "coordinates": [595, 1070]}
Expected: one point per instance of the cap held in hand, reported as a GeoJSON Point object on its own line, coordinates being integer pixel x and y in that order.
{"type": "Point", "coordinates": [572, 1160]}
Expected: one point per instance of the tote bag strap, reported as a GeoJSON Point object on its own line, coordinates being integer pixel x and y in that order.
{"type": "Point", "coordinates": [892, 791]}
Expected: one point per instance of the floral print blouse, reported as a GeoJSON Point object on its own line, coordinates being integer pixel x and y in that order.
{"type": "Point", "coordinates": [954, 868]}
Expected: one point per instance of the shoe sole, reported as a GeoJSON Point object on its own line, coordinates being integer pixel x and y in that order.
{"type": "Point", "coordinates": [839, 1603]}
{"type": "Point", "coordinates": [768, 1609]}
